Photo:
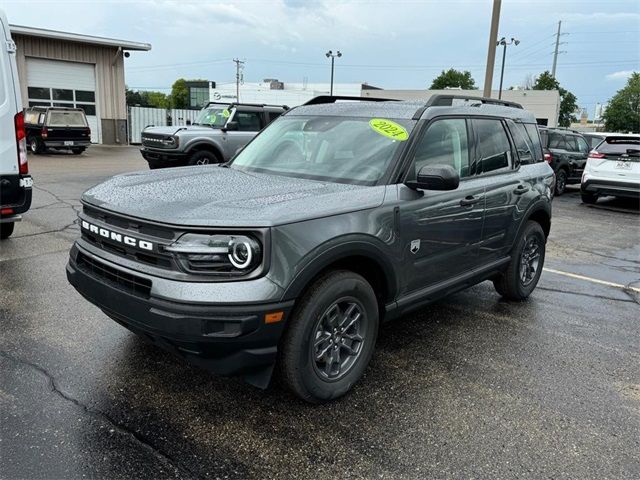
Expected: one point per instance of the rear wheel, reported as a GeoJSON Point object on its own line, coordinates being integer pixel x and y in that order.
{"type": "Point", "coordinates": [527, 259]}
{"type": "Point", "coordinates": [330, 337]}
{"type": "Point", "coordinates": [204, 157]}
{"type": "Point", "coordinates": [561, 181]}
{"type": "Point", "coordinates": [35, 145]}
{"type": "Point", "coordinates": [589, 198]}
{"type": "Point", "coordinates": [77, 151]}
{"type": "Point", "coordinates": [6, 229]}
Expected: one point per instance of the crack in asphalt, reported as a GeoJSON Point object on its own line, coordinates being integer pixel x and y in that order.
{"type": "Point", "coordinates": [165, 459]}
{"type": "Point", "coordinates": [58, 230]}
{"type": "Point", "coordinates": [570, 292]}
{"type": "Point", "coordinates": [59, 200]}
{"type": "Point", "coordinates": [607, 256]}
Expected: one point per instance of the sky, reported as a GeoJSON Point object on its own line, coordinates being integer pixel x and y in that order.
{"type": "Point", "coordinates": [387, 43]}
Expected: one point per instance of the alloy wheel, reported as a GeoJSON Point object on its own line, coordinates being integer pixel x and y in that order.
{"type": "Point", "coordinates": [529, 260]}
{"type": "Point", "coordinates": [338, 339]}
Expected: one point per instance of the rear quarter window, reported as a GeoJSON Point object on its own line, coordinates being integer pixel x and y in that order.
{"type": "Point", "coordinates": [536, 141]}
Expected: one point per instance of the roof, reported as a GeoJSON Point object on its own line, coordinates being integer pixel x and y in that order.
{"type": "Point", "coordinates": [408, 109]}
{"type": "Point", "coordinates": [79, 38]}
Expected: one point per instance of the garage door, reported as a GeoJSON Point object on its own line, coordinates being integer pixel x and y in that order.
{"type": "Point", "coordinates": [64, 84]}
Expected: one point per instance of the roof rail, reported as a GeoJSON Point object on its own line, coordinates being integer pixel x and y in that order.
{"type": "Point", "coordinates": [322, 99]}
{"type": "Point", "coordinates": [445, 100]}
{"type": "Point", "coordinates": [242, 104]}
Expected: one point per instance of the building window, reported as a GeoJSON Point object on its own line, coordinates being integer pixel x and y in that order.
{"type": "Point", "coordinates": [85, 96]}
{"type": "Point", "coordinates": [88, 109]}
{"type": "Point", "coordinates": [39, 93]}
{"type": "Point", "coordinates": [60, 94]}
{"type": "Point", "coordinates": [198, 97]}
{"type": "Point", "coordinates": [59, 97]}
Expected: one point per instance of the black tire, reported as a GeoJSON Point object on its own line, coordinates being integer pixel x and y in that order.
{"type": "Point", "coordinates": [77, 151]}
{"type": "Point", "coordinates": [589, 198]}
{"type": "Point", "coordinates": [35, 145]}
{"type": "Point", "coordinates": [6, 229]}
{"type": "Point", "coordinates": [204, 157]}
{"type": "Point", "coordinates": [561, 181]}
{"type": "Point", "coordinates": [154, 165]}
{"type": "Point", "coordinates": [299, 368]}
{"type": "Point", "coordinates": [510, 284]}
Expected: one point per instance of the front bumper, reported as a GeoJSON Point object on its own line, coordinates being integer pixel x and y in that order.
{"type": "Point", "coordinates": [168, 158]}
{"type": "Point", "coordinates": [226, 338]}
{"type": "Point", "coordinates": [597, 186]}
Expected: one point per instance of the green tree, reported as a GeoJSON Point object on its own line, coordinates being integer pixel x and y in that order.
{"type": "Point", "coordinates": [134, 98]}
{"type": "Point", "coordinates": [179, 97]}
{"type": "Point", "coordinates": [623, 112]}
{"type": "Point", "coordinates": [156, 99]}
{"type": "Point", "coordinates": [454, 79]}
{"type": "Point", "coordinates": [568, 101]}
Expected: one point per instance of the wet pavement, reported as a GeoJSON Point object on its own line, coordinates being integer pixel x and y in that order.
{"type": "Point", "coordinates": [471, 387]}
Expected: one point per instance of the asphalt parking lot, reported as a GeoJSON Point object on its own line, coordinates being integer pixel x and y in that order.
{"type": "Point", "coordinates": [471, 387]}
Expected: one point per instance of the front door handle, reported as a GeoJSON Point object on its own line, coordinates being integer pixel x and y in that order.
{"type": "Point", "coordinates": [470, 200]}
{"type": "Point", "coordinates": [521, 189]}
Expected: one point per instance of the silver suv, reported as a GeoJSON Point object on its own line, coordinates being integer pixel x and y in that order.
{"type": "Point", "coordinates": [220, 130]}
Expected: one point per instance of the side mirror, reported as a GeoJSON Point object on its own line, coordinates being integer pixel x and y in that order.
{"type": "Point", "coordinates": [436, 177]}
{"type": "Point", "coordinates": [230, 126]}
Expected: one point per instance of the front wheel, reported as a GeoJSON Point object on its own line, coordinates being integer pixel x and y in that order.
{"type": "Point", "coordinates": [330, 337]}
{"type": "Point", "coordinates": [588, 198]}
{"type": "Point", "coordinates": [6, 229]}
{"type": "Point", "coordinates": [204, 157]}
{"type": "Point", "coordinates": [527, 259]}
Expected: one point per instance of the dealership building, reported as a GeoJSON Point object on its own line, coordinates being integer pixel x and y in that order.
{"type": "Point", "coordinates": [71, 70]}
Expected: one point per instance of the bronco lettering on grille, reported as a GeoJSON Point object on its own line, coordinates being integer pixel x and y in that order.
{"type": "Point", "coordinates": [117, 237]}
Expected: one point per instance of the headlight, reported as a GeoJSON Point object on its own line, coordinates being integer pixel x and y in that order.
{"type": "Point", "coordinates": [171, 142]}
{"type": "Point", "coordinates": [230, 255]}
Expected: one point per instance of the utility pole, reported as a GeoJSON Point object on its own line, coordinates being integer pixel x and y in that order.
{"type": "Point", "coordinates": [239, 67]}
{"type": "Point", "coordinates": [491, 53]}
{"type": "Point", "coordinates": [504, 43]}
{"type": "Point", "coordinates": [332, 56]}
{"type": "Point", "coordinates": [555, 53]}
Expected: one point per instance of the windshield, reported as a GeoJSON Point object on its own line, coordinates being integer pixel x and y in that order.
{"type": "Point", "coordinates": [213, 116]}
{"type": "Point", "coordinates": [66, 119]}
{"type": "Point", "coordinates": [335, 149]}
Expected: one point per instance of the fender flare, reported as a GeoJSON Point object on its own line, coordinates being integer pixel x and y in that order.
{"type": "Point", "coordinates": [342, 248]}
{"type": "Point", "coordinates": [539, 206]}
{"type": "Point", "coordinates": [204, 143]}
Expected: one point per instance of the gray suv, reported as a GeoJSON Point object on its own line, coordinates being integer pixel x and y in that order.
{"type": "Point", "coordinates": [220, 130]}
{"type": "Point", "coordinates": [339, 216]}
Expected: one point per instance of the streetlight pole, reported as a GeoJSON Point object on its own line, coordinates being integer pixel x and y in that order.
{"type": "Point", "coordinates": [503, 41]}
{"type": "Point", "coordinates": [332, 56]}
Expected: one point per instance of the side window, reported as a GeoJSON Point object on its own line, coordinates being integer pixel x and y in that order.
{"type": "Point", "coordinates": [494, 148]}
{"type": "Point", "coordinates": [271, 116]}
{"type": "Point", "coordinates": [444, 143]}
{"type": "Point", "coordinates": [522, 141]}
{"type": "Point", "coordinates": [248, 121]}
{"type": "Point", "coordinates": [572, 144]}
{"type": "Point", "coordinates": [557, 140]}
{"type": "Point", "coordinates": [583, 146]}
{"type": "Point", "coordinates": [534, 135]}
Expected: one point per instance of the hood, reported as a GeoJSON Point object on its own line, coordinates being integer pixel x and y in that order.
{"type": "Point", "coordinates": [176, 129]}
{"type": "Point", "coordinates": [223, 197]}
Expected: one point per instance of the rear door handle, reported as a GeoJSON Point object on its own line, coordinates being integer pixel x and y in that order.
{"type": "Point", "coordinates": [521, 189]}
{"type": "Point", "coordinates": [470, 200]}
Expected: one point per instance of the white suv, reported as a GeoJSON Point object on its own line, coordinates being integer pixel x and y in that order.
{"type": "Point", "coordinates": [613, 168]}
{"type": "Point", "coordinates": [15, 181]}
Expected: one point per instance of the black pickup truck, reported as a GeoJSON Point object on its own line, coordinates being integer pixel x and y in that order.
{"type": "Point", "coordinates": [57, 127]}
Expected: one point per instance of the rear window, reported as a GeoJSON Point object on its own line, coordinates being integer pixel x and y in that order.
{"type": "Point", "coordinates": [619, 145]}
{"type": "Point", "coordinates": [66, 119]}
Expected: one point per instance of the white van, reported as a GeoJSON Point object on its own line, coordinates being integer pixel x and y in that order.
{"type": "Point", "coordinates": [15, 181]}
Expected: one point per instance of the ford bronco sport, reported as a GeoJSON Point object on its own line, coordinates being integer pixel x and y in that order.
{"type": "Point", "coordinates": [339, 216]}
{"type": "Point", "coordinates": [220, 130]}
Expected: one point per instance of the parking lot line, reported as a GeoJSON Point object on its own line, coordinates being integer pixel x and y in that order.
{"type": "Point", "coordinates": [590, 279]}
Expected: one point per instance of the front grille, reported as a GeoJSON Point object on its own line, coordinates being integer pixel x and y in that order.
{"type": "Point", "coordinates": [126, 282]}
{"type": "Point", "coordinates": [154, 140]}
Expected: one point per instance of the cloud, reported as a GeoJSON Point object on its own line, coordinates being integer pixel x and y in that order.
{"type": "Point", "coordinates": [621, 75]}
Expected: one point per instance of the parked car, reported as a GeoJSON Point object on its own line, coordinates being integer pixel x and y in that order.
{"type": "Point", "coordinates": [613, 168]}
{"type": "Point", "coordinates": [57, 127]}
{"type": "Point", "coordinates": [220, 130]}
{"type": "Point", "coordinates": [293, 256]}
{"type": "Point", "coordinates": [566, 151]}
{"type": "Point", "coordinates": [15, 181]}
